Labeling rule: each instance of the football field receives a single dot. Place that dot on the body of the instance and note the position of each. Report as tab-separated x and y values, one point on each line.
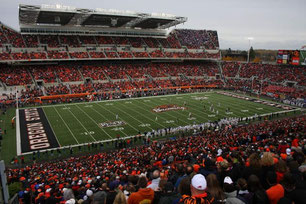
73	124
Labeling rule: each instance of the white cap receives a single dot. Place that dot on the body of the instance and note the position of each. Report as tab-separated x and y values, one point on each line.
89	193
199	182
71	201
219	152
228	180
288	151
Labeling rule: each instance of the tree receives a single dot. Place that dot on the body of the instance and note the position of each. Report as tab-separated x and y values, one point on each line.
252	54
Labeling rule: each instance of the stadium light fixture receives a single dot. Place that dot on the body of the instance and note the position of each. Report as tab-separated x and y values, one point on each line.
249	38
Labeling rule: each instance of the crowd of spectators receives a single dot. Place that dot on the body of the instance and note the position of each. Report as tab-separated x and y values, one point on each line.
141	54
71	41
111	54
81	88
272	86
256	163
104	40
151	42
37	55
275	73
50	40
5	56
193	39
97	54
230	69
3	39
57	90
31	92
57	55
94	72
43	73
66	74
14	37
156	54
173	41
20	56
176	54
125	54
87	40
31	40
78	55
15	77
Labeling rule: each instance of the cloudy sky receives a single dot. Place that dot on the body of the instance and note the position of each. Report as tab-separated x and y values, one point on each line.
274	24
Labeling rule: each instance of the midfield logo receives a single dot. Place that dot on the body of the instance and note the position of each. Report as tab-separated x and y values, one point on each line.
168	107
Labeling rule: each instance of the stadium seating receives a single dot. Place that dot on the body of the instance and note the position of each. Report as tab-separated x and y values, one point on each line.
66	74
94	72
50	40
230	69
57	55
230	154
5	56
151	42
78	55
14	38
87	40
71	41
31	40
57	90
43	73
15	77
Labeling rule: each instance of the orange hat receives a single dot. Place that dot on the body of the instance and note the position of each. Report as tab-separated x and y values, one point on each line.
283	156
22	179
219	159
196	168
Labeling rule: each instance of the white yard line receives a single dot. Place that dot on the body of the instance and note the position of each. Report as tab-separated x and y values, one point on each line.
66	126
94	122
167	114
106	119
81	124
115	115
51	127
143	116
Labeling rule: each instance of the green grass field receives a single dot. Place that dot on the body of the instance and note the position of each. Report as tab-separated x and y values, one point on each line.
78	123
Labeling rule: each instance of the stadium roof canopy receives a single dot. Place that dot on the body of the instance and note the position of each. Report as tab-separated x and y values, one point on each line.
58	17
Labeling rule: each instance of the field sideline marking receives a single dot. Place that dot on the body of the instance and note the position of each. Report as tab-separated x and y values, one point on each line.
18	139
51	127
94	122
66	126
115	100
82	125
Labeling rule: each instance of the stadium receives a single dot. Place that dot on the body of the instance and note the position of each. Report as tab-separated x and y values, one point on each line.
108	106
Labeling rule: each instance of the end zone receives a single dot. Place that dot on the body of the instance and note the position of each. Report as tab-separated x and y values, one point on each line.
33	131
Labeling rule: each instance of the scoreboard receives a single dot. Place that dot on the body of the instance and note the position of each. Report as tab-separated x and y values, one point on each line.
288	57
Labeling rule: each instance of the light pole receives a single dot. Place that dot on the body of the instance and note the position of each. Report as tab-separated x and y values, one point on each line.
249	38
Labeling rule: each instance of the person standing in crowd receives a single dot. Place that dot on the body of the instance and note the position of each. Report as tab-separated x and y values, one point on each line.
143	195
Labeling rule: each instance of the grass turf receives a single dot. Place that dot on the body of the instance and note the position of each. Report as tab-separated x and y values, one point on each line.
78	123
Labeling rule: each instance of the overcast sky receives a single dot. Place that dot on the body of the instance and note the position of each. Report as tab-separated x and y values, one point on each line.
274	24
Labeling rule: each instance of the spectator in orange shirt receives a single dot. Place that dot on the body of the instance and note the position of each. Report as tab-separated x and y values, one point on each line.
276	191
143	195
